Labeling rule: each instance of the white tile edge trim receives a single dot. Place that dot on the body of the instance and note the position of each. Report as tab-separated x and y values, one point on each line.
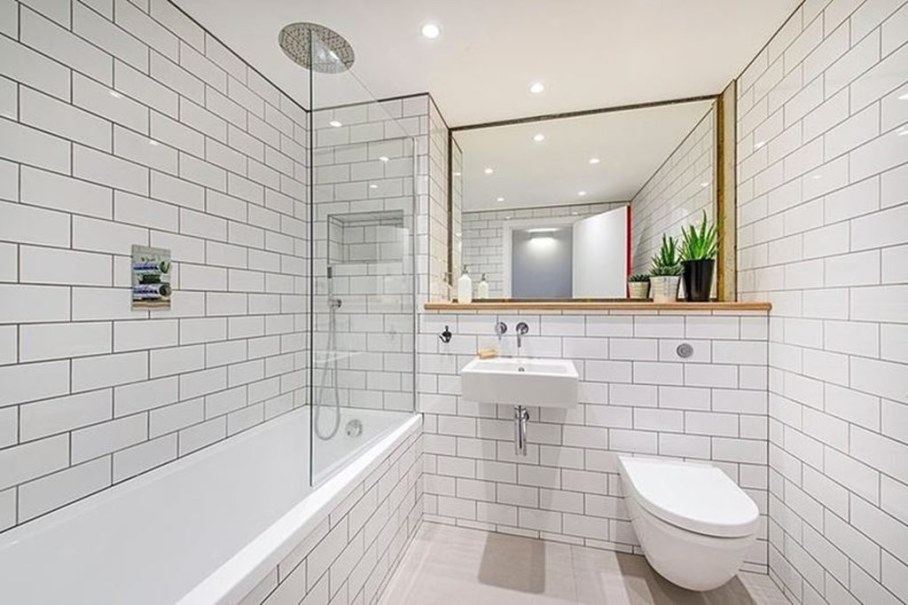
233	580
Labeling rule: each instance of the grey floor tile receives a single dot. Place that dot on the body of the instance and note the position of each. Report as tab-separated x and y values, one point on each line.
451	566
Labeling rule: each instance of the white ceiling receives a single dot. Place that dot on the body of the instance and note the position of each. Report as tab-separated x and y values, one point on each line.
630	146
589	53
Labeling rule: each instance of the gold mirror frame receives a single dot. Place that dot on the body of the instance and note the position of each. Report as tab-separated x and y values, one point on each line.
724	166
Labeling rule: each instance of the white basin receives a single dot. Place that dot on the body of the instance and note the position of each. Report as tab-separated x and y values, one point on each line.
548	383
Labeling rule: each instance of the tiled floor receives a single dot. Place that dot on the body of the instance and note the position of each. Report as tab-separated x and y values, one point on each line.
449	566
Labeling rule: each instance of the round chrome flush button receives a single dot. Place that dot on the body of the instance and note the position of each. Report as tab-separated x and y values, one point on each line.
684	350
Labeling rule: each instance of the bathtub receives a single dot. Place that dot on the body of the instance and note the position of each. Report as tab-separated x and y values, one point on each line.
329	456
204	529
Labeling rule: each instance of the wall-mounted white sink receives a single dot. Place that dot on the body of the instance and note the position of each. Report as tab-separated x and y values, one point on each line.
548	383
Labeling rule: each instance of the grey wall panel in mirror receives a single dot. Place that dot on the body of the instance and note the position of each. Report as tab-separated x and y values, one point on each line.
658	159
541	271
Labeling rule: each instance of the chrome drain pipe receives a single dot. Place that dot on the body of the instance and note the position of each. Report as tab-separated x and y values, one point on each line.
521	418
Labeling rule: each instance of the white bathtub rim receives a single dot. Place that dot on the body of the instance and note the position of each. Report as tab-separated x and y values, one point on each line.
240	574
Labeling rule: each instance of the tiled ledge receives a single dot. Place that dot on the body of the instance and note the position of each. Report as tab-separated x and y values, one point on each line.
571	306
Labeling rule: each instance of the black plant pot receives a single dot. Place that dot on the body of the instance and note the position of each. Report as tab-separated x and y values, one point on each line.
698	279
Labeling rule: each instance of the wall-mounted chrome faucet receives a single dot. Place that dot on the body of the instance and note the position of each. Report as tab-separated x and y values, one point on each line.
501	329
522	330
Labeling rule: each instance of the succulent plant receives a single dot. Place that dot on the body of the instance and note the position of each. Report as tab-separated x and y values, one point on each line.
667	262
639	277
699	243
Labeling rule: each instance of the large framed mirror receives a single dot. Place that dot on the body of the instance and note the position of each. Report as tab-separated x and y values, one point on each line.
566	207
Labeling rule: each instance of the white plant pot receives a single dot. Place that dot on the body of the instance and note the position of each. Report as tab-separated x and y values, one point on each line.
664	288
638	289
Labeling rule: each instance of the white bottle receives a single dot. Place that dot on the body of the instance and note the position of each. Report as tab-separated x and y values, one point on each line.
482	290
465	287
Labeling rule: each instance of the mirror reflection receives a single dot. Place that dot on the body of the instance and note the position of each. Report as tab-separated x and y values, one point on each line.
571	207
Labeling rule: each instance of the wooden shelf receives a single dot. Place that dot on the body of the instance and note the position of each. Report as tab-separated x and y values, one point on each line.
568	306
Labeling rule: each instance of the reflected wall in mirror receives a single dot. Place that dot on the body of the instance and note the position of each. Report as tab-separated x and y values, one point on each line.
570	206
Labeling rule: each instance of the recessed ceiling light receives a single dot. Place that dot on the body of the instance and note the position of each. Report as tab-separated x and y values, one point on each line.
704	184
500	199
335	124
153	142
384	158
759	144
430	31
115	94
581	193
903	131
817	177
537	88
594	160
542	230
373	186
574	213
539	137
507	218
904	97
456	174
488	171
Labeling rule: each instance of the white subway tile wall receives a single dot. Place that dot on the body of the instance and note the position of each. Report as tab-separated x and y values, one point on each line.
351	554
676	194
823	235
437	210
116	131
483	246
637	396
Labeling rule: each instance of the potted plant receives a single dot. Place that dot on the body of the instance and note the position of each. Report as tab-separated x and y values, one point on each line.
638	286
699	248
666	271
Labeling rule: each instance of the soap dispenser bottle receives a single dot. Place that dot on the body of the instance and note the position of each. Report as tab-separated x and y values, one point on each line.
482	290
465	287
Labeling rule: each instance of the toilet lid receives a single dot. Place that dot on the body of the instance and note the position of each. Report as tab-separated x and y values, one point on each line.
696	497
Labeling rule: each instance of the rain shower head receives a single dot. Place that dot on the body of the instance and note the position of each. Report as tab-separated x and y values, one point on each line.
316	47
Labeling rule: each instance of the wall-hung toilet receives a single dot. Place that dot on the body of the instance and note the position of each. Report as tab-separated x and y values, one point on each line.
694	524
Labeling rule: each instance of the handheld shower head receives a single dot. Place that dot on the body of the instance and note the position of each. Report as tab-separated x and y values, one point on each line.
334	303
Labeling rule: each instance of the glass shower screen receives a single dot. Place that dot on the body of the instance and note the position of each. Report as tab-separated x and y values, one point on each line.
362	266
